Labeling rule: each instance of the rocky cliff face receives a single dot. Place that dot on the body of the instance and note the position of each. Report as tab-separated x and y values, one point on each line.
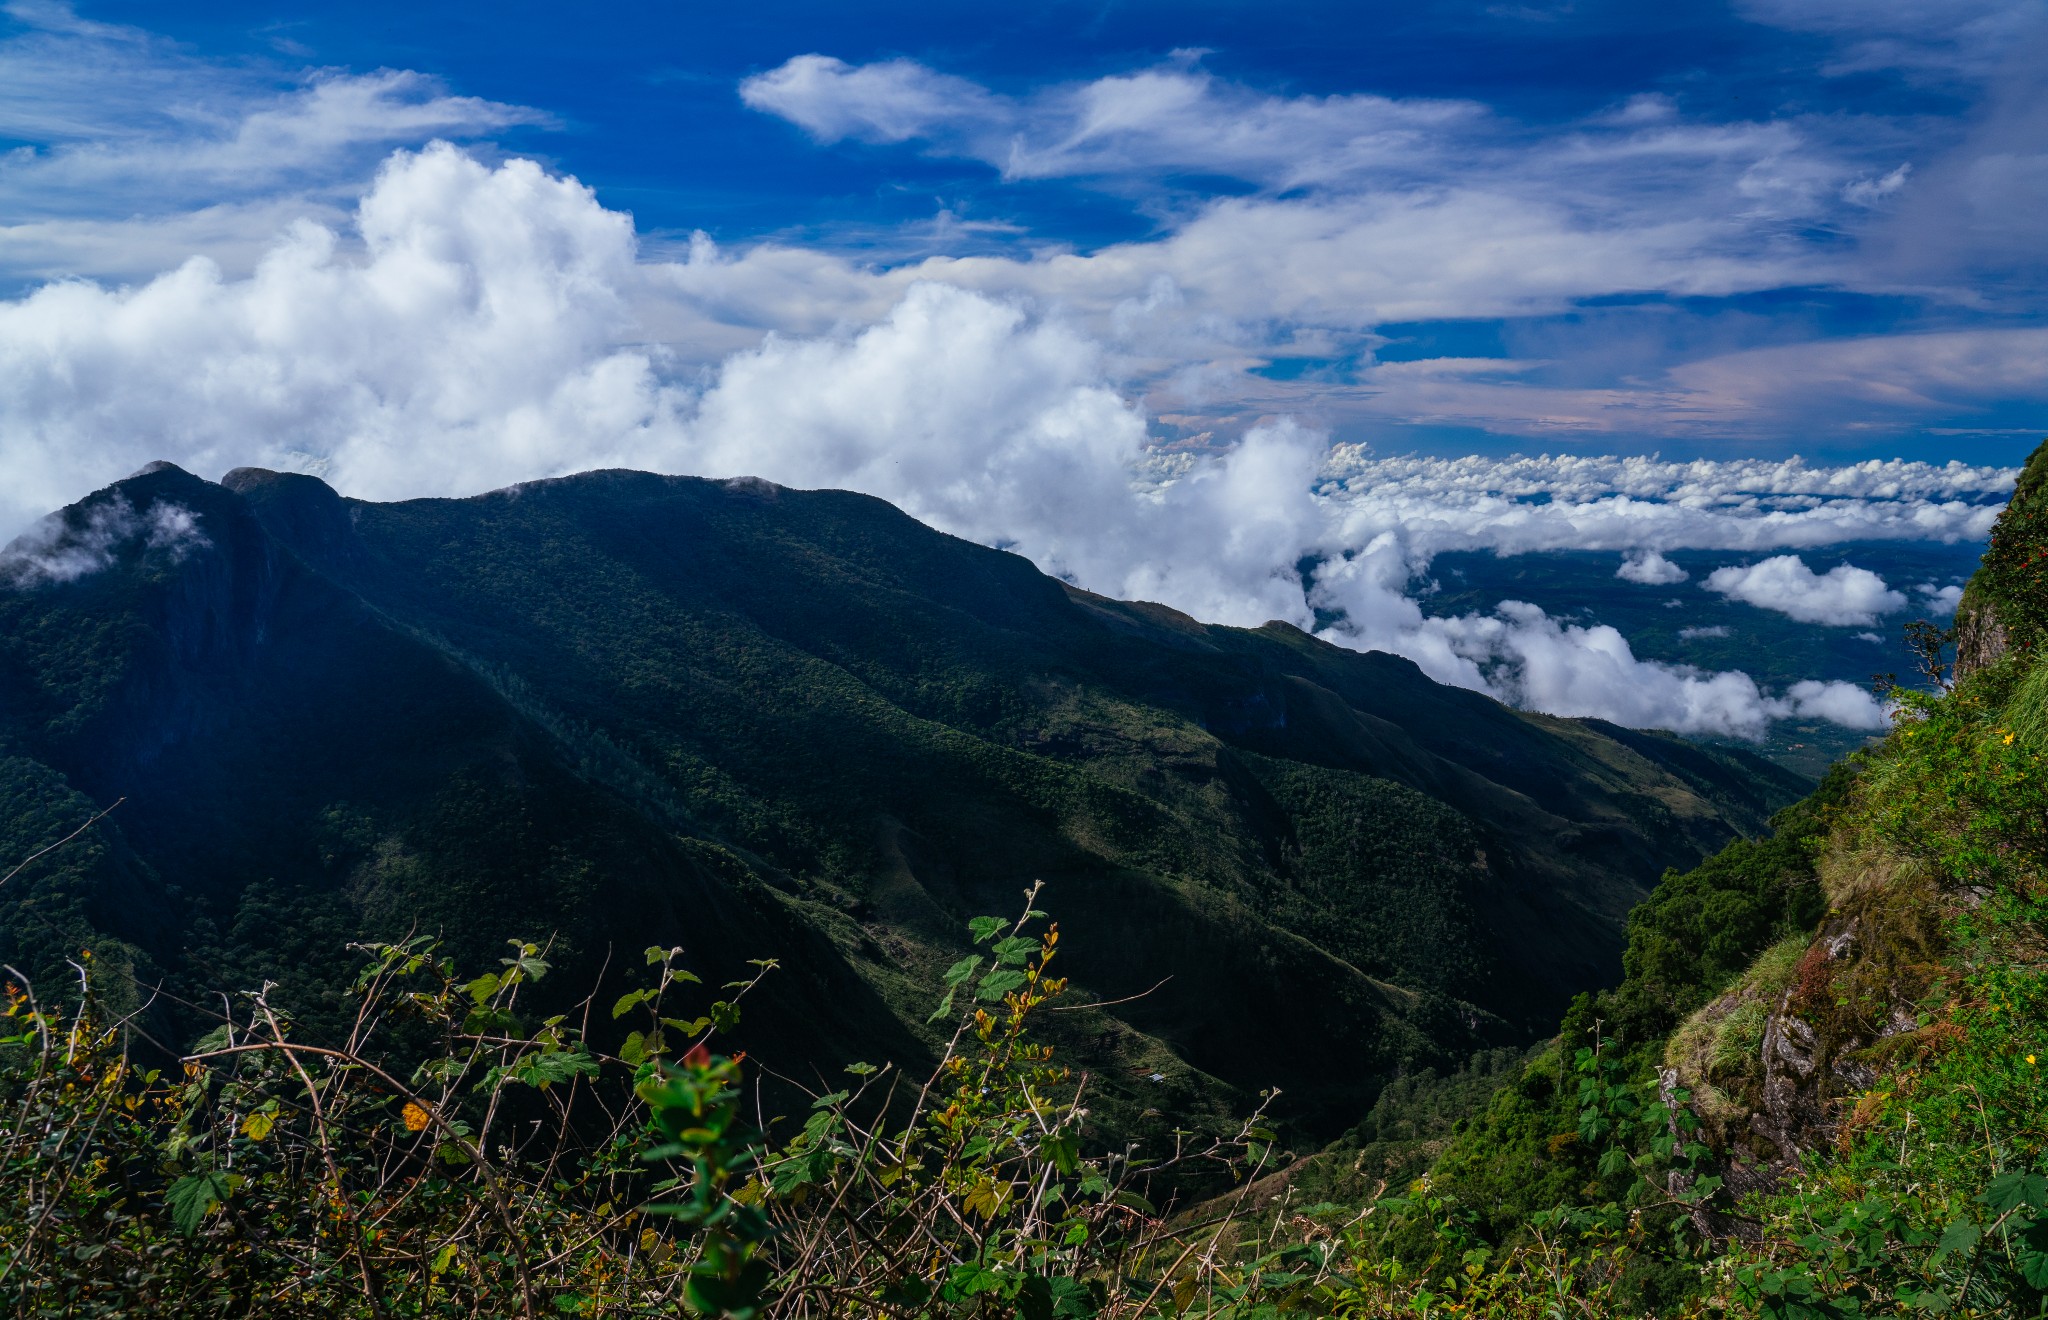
1980	639
1776	1063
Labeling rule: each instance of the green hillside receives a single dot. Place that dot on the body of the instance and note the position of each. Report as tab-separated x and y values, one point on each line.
632	710
621	709
1817	1092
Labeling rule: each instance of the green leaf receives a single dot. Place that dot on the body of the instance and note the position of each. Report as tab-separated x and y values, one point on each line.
725	1016
963	971
1014	951
944	1009
1959	1236
483	987
633	1049
190	1197
1135	1202
985	929
217	1039
998	983
548	1067
2011	1191
628	1002
655	953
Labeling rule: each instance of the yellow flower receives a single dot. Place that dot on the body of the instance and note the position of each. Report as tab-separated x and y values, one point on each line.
2008	740
2030	1060
415	1116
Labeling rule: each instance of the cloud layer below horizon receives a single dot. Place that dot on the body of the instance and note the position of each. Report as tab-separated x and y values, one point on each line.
479	325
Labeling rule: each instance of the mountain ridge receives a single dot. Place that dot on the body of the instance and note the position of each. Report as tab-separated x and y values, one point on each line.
802	725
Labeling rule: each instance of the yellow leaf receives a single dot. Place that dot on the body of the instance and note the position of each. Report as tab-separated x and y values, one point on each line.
986	1198
258	1124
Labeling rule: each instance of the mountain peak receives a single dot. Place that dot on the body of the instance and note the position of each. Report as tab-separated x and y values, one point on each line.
160	465
302	511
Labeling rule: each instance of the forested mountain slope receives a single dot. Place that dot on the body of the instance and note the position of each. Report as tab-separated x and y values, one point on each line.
620	709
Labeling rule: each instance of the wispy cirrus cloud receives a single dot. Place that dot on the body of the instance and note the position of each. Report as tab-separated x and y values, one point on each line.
1172	119
134	149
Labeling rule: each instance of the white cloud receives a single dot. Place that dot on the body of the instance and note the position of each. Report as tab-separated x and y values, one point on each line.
135	148
1522	655
1844	596
1172	118
1940	601
1363	209
1842	703
488	325
63	548
1943	37
1649	569
1715	630
1369	209
1866	383
1872	191
891	101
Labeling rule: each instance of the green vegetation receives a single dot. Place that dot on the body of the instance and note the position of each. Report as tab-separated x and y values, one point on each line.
1814	1094
753	722
452	1156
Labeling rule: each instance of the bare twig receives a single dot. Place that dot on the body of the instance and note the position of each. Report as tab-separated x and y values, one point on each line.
24	863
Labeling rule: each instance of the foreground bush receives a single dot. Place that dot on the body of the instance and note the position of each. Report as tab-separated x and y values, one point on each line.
448	1155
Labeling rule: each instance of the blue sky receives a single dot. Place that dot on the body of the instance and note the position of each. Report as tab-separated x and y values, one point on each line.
1172	298
1754	227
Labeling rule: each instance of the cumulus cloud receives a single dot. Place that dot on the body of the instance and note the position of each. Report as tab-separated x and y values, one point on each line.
1940	601
1715	630
488	325
1355	210
1845	704
1524	656
1844	596
1649	569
